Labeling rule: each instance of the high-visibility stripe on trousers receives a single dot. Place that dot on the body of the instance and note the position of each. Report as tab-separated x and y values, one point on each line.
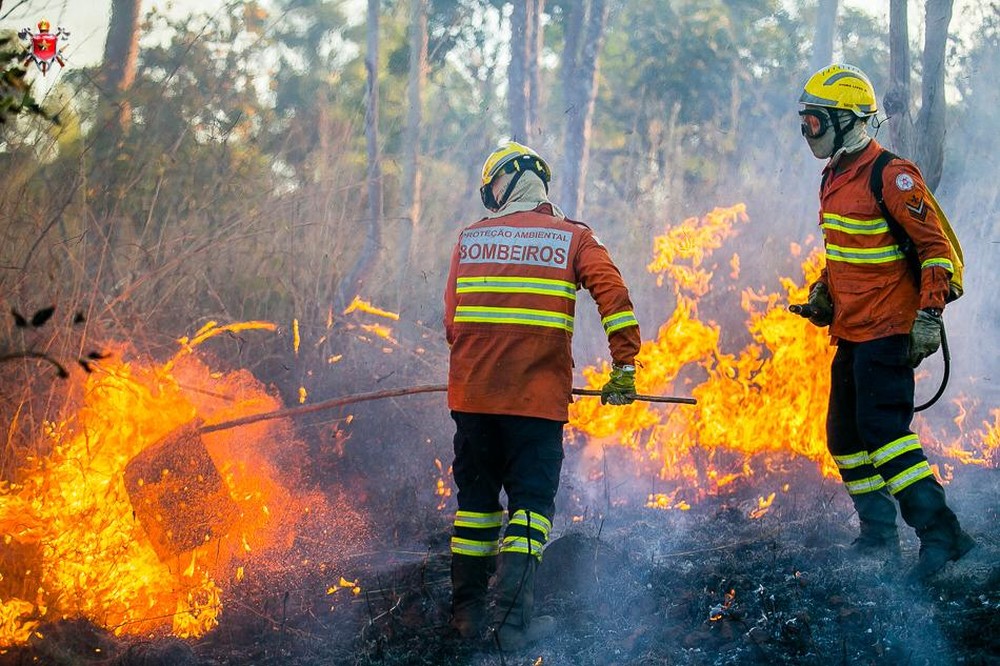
526	533
519	455
871	406
476	533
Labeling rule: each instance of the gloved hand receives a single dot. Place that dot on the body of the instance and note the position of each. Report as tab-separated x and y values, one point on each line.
620	388
925	336
819	308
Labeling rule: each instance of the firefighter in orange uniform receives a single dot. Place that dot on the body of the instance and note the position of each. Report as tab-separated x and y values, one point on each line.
884	316
509	308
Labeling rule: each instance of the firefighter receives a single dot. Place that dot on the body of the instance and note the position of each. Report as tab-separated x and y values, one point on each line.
509	308
884	316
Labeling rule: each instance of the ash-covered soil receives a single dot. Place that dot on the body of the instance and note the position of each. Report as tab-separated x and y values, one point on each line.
706	586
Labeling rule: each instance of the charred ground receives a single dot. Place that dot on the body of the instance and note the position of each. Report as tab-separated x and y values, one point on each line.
627	585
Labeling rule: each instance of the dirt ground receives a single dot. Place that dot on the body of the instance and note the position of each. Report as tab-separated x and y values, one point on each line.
633	585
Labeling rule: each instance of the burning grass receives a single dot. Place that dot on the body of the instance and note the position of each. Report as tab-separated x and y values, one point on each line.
690	535
85	551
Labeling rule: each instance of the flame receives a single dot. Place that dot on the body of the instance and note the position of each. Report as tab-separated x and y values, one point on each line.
69	514
360	305
721	610
758	407
442	487
763	504
379	330
344	584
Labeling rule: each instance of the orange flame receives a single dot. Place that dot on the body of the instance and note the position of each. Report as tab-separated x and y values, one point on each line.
70	514
442	487
757	407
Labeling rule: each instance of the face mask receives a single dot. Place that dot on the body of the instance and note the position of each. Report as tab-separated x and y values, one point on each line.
817	126
822	146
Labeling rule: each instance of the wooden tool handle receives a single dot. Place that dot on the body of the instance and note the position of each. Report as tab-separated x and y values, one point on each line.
394	393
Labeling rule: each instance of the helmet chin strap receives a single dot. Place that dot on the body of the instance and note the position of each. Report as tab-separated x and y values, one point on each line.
839	132
516	176
520	168
849	138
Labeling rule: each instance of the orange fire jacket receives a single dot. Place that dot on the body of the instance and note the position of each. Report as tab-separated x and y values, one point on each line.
874	291
509	308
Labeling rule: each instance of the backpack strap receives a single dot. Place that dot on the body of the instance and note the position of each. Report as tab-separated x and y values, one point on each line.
895	228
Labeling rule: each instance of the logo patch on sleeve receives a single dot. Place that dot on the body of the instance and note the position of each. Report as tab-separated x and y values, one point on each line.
904	182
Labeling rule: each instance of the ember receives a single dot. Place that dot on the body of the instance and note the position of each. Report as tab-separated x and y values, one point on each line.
723	609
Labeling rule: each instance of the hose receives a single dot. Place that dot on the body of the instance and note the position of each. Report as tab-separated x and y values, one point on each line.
947	372
806	310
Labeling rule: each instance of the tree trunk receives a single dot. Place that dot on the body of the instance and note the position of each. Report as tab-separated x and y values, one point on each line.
574	17
517	72
351	285
826	21
931	119
582	97
896	103
411	182
534	39
121	51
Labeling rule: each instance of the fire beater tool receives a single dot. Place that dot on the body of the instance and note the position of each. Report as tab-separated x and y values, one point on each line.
179	496
807	311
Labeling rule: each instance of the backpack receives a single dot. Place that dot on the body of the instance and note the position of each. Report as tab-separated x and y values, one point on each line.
955	288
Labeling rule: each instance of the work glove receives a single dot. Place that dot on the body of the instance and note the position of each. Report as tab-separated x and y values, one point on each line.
925	336
818	309
620	388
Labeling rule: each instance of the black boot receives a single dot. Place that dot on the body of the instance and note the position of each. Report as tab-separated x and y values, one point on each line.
942	539
879	537
470	577
513	626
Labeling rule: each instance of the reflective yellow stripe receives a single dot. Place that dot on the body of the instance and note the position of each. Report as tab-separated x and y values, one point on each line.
477	314
538	521
855	227
514	544
461	546
904	479
478	520
853	460
619	321
943	263
895	449
516	285
869	485
857	255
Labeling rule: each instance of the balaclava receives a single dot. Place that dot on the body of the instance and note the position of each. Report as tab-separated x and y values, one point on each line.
847	134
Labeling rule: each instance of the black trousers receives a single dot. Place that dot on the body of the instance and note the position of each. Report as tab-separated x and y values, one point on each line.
868	422
520	455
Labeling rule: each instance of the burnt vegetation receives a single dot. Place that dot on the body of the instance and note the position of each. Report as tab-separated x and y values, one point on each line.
638	586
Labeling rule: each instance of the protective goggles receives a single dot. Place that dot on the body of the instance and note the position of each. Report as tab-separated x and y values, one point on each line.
814	123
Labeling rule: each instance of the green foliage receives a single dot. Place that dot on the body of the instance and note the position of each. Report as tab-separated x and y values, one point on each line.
863	43
15	89
246	154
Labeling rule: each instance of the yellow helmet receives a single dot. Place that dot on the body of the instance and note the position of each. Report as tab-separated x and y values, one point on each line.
515	158
841	86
